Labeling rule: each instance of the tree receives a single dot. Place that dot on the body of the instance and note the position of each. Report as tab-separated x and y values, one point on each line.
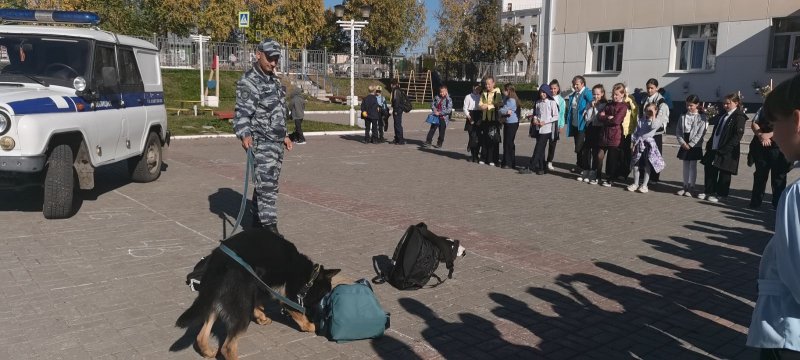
491	42
290	22
220	18
530	52
120	16
392	24
331	36
451	42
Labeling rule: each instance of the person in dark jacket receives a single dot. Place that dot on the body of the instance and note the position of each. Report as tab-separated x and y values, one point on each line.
769	162
297	108
370	112
576	124
397	113
721	159
611	117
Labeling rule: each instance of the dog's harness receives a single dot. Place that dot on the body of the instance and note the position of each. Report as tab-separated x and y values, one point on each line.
299	307
304	290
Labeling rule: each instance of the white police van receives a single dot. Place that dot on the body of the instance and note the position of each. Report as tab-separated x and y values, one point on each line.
73	99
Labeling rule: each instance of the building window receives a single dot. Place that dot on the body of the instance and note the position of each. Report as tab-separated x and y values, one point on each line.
607	50
509	7
785	42
696	47
533	29
521	30
519	66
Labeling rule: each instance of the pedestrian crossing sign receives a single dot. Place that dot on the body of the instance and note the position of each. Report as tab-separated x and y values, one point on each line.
244	19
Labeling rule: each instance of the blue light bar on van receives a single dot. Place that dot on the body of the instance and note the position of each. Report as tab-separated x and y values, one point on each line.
50	16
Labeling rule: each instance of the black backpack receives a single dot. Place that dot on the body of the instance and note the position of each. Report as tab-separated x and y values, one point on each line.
417	257
405	105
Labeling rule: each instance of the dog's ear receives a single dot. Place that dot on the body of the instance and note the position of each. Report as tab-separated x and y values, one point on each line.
329	274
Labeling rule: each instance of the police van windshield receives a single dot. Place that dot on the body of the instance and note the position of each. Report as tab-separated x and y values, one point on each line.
54	60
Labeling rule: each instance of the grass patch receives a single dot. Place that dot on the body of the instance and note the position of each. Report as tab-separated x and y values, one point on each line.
185	85
206	124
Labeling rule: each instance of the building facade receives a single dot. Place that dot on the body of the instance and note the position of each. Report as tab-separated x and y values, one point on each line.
709	48
524	15
512	5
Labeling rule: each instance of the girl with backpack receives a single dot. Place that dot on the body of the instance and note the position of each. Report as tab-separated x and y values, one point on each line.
544	123
689	133
442	107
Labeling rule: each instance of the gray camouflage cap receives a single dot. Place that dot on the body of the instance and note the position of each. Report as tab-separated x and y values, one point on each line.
270	47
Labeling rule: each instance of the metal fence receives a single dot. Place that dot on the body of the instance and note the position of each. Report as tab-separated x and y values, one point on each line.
310	69
314	70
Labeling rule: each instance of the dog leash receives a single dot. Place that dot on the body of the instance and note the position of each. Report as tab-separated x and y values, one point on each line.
249	269
233	255
247	175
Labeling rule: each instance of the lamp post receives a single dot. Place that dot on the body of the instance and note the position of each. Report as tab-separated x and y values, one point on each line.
200	38
352	25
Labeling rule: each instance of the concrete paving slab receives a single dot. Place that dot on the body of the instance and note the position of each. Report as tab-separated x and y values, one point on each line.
556	269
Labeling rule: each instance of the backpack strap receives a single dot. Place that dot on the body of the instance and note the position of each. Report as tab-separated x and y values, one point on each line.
380	278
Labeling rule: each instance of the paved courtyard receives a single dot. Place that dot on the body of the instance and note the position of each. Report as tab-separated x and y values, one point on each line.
555	269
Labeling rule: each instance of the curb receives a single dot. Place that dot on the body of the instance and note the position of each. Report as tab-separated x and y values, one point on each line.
347	112
311	133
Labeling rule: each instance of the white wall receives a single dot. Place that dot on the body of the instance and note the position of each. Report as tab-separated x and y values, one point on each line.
742	53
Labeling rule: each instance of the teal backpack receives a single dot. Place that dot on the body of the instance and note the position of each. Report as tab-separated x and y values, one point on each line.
352	312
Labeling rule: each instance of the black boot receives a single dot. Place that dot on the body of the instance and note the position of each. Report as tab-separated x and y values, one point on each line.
256	222
273	228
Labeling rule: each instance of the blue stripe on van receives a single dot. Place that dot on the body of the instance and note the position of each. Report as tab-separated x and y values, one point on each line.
46	105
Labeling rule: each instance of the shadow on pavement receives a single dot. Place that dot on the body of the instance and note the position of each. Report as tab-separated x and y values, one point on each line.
28	200
225	203
696	304
388	347
473	337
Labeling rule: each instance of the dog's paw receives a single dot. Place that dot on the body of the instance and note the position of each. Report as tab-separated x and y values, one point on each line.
263	320
310	327
260	316
205	352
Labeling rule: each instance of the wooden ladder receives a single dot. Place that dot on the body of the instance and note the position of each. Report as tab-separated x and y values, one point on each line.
418	87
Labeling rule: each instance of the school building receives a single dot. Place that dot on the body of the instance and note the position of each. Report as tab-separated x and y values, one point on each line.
709	48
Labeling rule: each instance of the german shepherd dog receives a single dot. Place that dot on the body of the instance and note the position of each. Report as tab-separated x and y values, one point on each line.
232	295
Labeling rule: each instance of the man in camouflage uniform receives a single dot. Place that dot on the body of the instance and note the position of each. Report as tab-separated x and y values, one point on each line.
260	123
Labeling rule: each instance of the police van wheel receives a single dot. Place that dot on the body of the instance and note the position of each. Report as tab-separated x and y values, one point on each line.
59	184
147	167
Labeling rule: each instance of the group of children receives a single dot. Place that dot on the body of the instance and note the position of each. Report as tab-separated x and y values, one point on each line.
618	136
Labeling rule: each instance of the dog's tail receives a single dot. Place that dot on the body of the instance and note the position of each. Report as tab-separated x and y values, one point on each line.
189	316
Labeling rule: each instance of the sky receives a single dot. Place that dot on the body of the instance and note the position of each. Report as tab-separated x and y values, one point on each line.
431	6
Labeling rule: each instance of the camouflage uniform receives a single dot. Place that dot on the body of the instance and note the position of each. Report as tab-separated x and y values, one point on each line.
261	113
